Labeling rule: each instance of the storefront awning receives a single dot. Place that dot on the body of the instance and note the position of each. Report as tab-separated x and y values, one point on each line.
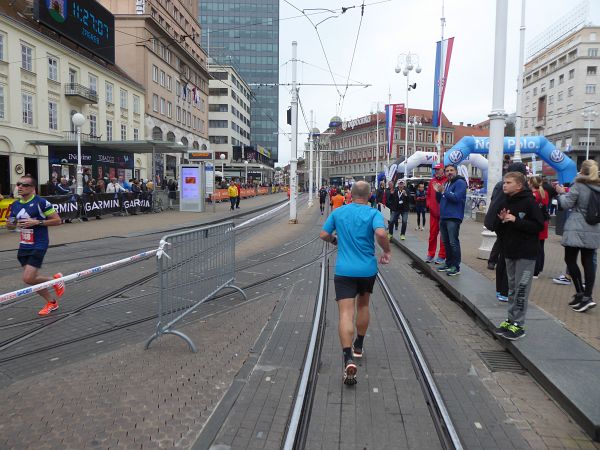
126	146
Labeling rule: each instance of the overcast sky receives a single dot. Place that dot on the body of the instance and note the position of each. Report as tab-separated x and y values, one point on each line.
389	29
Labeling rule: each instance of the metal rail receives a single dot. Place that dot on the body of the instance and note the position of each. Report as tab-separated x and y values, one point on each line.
442	420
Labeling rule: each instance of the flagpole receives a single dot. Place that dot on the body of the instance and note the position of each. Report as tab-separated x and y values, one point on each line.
388	136
440	88
377	148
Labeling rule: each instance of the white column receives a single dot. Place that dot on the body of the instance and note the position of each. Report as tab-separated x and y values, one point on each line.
517	156
293	160
310	160
497	117
406	124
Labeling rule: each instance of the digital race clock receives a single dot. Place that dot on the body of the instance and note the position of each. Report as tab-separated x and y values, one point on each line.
85	22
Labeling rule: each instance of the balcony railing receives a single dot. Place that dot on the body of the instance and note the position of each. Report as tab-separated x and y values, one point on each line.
84	93
72	136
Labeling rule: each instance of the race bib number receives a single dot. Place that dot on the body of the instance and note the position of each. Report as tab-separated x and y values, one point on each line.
27	236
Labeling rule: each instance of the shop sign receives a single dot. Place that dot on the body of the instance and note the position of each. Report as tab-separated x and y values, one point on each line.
199	155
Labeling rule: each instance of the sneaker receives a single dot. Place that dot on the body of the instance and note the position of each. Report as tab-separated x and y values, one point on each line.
50	306
439	260
453	272
535	277
417	228
350	373
357	352
443	268
586	303
514	332
429	259
576	299
402	237
59	288
390	236
501	298
502	328
561	279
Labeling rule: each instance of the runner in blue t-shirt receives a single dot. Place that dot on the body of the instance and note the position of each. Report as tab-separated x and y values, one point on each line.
31	215
356	226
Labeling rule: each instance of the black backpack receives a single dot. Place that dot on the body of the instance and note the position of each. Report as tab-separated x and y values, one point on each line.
592	214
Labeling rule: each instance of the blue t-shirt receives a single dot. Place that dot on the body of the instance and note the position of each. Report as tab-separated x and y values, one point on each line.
355	225
35	238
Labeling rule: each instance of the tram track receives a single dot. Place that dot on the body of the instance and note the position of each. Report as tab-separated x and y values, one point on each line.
299	421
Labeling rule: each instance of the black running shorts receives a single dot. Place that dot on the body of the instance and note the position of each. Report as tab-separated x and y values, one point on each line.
350	287
31	257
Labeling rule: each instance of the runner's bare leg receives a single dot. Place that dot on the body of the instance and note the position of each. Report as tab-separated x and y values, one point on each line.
346	322
31	277
362	315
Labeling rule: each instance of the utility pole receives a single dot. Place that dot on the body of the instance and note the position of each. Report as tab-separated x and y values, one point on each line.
294	152
497	117
377	147
310	159
517	156
440	89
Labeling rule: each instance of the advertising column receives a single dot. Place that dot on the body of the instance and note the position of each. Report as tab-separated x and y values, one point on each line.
191	189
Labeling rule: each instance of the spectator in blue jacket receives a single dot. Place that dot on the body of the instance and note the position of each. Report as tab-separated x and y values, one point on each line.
452	197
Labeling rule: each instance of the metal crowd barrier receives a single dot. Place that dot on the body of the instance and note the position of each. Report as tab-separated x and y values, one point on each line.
192	267
474	203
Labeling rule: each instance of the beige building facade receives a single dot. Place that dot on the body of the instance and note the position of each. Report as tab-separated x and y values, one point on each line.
44	80
158	45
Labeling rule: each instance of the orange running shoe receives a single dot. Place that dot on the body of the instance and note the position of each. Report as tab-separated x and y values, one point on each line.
59	288
50	306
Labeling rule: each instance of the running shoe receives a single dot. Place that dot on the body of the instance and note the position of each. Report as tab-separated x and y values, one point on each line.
586	303
402	237
502	328
59	288
514	332
50	306
439	260
350	373
429	259
390	236
561	279
443	268
501	298
453	271
576	300
357	352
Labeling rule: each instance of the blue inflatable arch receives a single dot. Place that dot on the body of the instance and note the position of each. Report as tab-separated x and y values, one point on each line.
565	167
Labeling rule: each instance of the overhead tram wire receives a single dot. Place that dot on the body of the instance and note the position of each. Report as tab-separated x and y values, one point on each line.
343	98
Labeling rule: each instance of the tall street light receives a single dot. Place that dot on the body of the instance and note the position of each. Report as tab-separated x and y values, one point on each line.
78	120
414	122
405	63
246	167
589	118
222	156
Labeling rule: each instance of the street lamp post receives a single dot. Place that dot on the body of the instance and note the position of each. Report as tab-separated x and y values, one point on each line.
246	167
414	122
589	118
222	156
405	63
78	120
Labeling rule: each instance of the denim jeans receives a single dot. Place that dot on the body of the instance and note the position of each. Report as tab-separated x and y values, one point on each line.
394	218
449	229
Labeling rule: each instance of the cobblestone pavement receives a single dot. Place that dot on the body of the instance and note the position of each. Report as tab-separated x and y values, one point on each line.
538	419
551	297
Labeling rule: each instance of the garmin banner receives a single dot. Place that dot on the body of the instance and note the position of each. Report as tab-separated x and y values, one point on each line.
91	205
67	206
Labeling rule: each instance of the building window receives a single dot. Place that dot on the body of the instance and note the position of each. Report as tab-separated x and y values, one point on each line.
169	83
136	104
592	52
551	99
561	79
155	74
93	83
72	76
178	114
109	93
590	88
123	99
591	70
123	132
52	68
169	110
162	105
136	134
27	108
93	125
560	96
571	74
570	92
189	119
1	47
551	83
218	123
162	78
109	135
52	115
155	103
2	102
178	88
592	36
26	57
535	91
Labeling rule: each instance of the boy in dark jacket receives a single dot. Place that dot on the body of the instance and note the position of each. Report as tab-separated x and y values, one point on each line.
517	225
396	199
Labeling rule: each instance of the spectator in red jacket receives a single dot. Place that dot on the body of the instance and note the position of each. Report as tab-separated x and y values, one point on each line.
434	217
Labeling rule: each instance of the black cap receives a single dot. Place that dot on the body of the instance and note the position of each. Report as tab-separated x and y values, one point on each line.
517	167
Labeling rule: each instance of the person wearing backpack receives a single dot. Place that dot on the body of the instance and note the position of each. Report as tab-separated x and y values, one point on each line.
581	232
542	198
